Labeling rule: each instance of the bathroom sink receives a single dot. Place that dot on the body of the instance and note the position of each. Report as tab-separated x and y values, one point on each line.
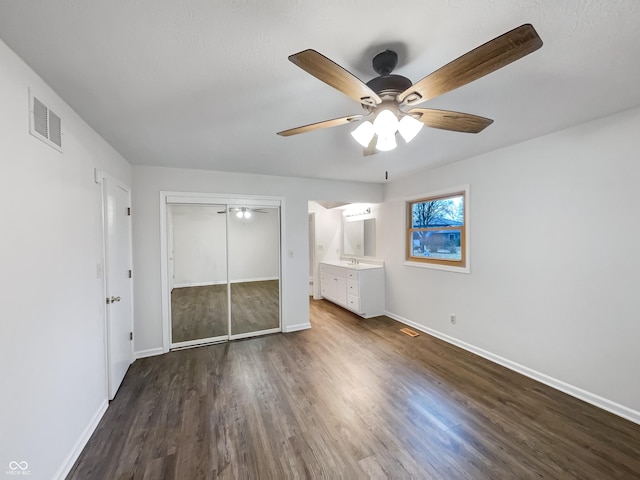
355	266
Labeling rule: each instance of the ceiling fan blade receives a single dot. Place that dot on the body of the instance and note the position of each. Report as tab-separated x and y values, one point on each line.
477	63
446	120
315	126
334	75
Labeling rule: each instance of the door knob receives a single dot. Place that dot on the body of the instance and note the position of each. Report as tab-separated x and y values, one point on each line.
115	299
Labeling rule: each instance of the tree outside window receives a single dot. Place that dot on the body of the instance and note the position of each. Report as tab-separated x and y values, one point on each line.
436	230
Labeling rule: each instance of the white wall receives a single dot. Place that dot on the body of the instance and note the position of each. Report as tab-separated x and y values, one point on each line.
328	230
254	246
199	245
149	181
553	288
52	347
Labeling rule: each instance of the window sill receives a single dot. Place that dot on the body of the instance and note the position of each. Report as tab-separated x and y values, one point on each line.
436	266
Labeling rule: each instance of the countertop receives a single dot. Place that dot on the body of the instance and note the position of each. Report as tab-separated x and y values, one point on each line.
348	264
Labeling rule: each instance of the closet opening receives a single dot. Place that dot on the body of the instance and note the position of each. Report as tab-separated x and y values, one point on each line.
221	258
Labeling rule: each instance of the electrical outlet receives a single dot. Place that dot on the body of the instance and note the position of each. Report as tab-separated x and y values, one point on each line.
452	318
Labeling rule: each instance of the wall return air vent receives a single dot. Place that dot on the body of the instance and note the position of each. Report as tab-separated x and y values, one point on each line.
44	124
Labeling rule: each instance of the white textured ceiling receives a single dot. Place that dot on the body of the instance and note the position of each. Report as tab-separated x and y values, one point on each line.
206	84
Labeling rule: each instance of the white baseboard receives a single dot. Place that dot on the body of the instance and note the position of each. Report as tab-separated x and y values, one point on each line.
198	284
258	279
297	327
151	352
67	465
223	282
584	395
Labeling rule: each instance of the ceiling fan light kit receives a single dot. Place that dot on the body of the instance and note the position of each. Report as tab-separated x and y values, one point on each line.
387	98
242	212
409	127
364	133
385	126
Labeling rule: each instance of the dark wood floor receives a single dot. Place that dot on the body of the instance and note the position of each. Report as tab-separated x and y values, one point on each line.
255	306
351	399
201	312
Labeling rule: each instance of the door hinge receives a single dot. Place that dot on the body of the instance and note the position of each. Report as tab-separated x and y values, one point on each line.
129	211
130	335
130	273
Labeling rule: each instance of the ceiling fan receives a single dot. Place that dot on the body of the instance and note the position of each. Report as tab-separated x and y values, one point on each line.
243	212
388	99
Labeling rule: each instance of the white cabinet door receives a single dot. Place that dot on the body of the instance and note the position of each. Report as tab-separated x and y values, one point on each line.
341	290
328	286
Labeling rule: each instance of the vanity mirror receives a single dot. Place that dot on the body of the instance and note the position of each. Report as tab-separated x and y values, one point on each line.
359	237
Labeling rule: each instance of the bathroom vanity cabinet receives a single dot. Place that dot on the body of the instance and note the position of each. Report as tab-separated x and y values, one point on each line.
359	288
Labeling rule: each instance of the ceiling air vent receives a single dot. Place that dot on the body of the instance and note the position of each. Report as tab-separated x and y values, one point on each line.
44	124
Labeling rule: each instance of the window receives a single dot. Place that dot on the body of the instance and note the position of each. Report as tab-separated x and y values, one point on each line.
436	230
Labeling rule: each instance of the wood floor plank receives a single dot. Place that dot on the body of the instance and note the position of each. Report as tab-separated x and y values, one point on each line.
350	398
202	312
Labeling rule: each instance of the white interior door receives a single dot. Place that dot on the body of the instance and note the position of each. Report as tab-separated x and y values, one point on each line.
118	282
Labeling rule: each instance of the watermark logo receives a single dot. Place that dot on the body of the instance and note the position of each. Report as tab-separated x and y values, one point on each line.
18	468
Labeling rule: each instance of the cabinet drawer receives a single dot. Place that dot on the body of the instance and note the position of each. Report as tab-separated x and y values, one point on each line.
352	275
331	271
352	287
353	303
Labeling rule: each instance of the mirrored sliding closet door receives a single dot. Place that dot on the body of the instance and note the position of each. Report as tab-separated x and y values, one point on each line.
198	274
254	270
223	268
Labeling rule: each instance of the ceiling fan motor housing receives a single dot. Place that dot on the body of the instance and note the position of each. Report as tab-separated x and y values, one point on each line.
388	87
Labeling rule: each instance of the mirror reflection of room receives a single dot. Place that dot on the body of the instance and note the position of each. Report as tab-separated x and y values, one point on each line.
254	266
198	261
359	237
220	266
